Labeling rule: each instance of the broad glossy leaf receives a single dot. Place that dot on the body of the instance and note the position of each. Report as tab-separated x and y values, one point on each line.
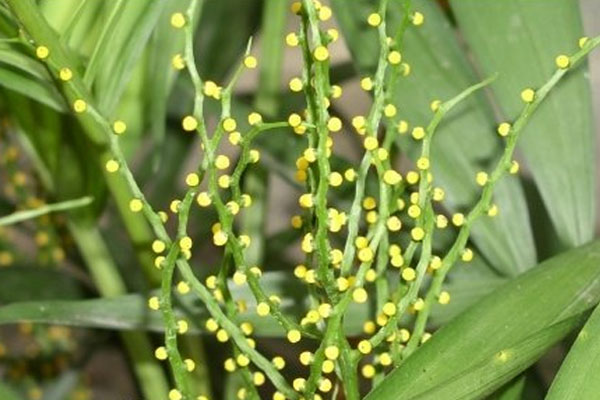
131	312
579	374
465	142
520	39
502	334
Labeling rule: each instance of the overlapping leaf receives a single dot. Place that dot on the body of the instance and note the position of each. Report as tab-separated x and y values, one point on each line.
465	143
502	334
520	39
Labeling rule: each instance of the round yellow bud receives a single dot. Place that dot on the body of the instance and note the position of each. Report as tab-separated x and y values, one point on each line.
263	309
177	62
366	84
189	123
374	19
409	274
136	205
359	295
220	238
458	219
528	95
504	129
158	246
444	298
175	394
250	62
395	57
222	162
334	124
418	133
112	166
391	177
294	120
418	18
161	353
183	287
254	118
423	163
192	179
364	346
178	20
335	179
42	52
332	352
292	39
153	303
371	143
296	85
294	336
79	106
389	309
65	74
563	61
203	199
481	178
321	53
229	124
417	233
185	243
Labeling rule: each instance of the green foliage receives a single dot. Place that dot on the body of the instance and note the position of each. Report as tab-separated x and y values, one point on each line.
379	271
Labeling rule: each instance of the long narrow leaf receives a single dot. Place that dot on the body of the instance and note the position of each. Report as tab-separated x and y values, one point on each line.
465	143
501	335
131	312
579	374
20	216
520	39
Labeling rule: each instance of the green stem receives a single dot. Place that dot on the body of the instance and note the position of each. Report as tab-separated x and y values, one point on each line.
25	215
105	274
484	201
33	22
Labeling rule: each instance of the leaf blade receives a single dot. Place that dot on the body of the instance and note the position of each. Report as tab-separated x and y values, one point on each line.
578	376
521	40
502	334
440	70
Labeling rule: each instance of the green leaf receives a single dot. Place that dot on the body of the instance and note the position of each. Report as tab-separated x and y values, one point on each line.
502	334
114	10
465	142
14	56
223	32
467	283
579	374
37	90
520	39
274	20
160	75
27	283
127	45
131	312
512	390
25	215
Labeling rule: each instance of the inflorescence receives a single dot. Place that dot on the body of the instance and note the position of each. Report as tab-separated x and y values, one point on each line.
387	236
